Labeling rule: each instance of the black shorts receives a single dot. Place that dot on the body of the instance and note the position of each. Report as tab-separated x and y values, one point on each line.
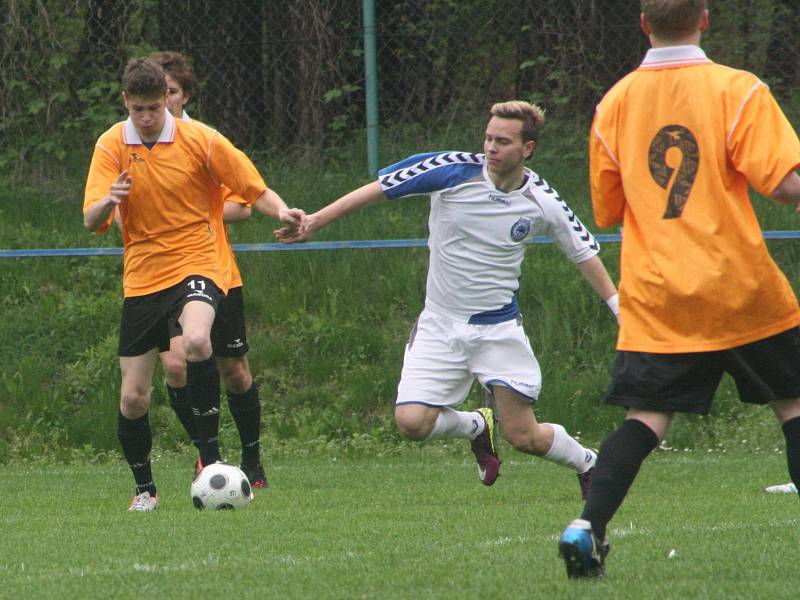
150	321
764	371
228	335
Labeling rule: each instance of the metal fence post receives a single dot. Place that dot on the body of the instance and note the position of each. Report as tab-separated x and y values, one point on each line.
371	81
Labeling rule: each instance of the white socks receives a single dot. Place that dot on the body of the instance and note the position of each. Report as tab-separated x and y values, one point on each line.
567	452
456	424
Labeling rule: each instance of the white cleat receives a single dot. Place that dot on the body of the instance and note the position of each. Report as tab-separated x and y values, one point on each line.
786	488
144	502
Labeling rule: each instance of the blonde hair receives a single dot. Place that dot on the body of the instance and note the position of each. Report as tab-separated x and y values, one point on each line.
532	117
673	19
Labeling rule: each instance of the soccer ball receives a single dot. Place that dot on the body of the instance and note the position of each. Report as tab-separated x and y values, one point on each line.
220	486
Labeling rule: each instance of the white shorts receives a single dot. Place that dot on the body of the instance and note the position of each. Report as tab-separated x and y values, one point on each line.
443	357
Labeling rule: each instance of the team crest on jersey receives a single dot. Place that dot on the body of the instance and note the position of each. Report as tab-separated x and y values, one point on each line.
521	229
504	200
136	158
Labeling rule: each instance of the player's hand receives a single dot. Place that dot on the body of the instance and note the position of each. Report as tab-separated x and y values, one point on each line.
120	189
291	232
292	217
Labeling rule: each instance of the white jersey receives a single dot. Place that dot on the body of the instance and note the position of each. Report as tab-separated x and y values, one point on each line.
478	233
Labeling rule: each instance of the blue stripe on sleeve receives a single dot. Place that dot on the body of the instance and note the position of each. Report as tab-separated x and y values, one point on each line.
429	172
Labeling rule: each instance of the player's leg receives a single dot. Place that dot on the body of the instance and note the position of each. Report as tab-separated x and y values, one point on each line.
229	340
195	308
436	377
788	415
768	371
549	441
245	406
133	427
653	387
143	333
583	544
423	423
173	361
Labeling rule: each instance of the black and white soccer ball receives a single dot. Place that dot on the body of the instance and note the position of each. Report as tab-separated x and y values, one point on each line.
219	487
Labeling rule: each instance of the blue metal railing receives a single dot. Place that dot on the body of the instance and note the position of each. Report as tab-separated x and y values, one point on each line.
345	245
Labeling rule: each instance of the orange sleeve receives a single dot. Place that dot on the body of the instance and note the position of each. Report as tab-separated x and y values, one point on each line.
232	169
762	143
229	196
103	170
605	179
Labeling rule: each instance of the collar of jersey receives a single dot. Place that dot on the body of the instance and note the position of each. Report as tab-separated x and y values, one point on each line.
674	56
131	137
526	179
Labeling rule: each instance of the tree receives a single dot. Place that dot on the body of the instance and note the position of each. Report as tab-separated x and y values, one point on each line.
225	41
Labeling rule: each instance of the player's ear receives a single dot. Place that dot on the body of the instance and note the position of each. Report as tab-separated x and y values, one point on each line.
645	25
530	146
704	21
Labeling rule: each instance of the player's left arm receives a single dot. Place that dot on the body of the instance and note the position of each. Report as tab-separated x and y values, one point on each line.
764	146
269	203
564	227
232	169
594	271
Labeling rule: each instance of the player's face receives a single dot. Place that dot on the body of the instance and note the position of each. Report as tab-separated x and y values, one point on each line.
503	146
176	98
148	115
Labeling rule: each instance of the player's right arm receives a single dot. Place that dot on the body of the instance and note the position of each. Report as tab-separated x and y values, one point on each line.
788	190
418	174
350	202
98	214
608	198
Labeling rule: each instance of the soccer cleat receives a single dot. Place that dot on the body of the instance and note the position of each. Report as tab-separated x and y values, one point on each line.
584	479
583	554
198	466
255	474
483	447
144	502
786	488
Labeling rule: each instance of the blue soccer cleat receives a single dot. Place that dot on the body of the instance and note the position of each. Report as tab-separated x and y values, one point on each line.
583	554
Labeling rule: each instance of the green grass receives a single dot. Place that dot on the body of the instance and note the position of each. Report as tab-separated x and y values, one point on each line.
326	328
404	522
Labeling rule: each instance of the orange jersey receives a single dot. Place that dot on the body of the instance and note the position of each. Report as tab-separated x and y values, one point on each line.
673	148
172	220
236	275
224	240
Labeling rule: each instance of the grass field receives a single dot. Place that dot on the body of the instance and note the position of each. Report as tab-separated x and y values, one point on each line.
411	523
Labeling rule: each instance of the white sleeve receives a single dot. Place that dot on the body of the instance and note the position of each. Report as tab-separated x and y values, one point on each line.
564	227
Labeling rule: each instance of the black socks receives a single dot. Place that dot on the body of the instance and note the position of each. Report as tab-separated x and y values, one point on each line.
246	413
136	441
791	431
203	388
618	462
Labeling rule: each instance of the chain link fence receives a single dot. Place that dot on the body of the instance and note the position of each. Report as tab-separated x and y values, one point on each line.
286	77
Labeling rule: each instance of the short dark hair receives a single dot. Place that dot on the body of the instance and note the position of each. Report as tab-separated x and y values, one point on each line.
532	117
176	66
673	19
143	77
